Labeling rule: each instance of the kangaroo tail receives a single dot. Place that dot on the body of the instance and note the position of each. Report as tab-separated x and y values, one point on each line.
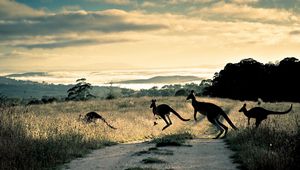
284	112
177	114
229	121
107	123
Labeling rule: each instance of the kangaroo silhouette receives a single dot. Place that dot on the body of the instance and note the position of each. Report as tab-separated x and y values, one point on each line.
93	116
164	110
212	112
259	113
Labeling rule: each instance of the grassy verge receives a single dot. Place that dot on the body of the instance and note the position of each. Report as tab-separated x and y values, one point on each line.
266	148
40	149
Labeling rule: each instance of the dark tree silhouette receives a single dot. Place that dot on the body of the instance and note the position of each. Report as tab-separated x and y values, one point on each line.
3	100
250	80
81	91
181	92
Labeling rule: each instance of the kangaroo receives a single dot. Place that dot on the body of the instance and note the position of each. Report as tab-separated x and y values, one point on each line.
92	116
163	111
259	113
212	112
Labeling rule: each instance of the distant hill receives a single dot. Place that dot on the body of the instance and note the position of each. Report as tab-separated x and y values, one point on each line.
29	89
28	74
162	79
9	81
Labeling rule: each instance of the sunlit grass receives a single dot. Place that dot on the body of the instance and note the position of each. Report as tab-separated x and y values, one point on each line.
43	136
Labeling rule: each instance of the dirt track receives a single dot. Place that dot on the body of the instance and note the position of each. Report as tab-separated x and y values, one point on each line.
205	154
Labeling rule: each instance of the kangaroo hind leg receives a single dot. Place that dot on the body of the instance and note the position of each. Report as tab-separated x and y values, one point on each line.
224	127
168	124
168	116
257	122
219	127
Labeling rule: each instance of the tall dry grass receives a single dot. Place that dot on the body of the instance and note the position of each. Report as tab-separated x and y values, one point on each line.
274	145
43	136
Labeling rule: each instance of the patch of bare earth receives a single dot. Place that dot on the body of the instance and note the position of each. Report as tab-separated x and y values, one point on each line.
196	154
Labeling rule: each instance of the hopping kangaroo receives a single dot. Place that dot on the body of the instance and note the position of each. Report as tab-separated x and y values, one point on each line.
163	111
93	116
259	113
212	112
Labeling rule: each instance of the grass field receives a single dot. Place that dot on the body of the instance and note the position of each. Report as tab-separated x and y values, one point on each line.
274	145
43	136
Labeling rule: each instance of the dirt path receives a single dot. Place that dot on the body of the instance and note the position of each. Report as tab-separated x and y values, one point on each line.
201	154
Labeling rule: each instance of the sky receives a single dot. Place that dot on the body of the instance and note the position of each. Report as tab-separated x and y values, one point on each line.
91	35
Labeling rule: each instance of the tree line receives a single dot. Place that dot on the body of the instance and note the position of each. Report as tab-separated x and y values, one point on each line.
250	80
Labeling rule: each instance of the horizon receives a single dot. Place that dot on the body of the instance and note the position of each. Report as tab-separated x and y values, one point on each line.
105	77
118	77
95	35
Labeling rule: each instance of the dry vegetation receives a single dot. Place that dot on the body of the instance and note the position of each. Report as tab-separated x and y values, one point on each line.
274	145
43	136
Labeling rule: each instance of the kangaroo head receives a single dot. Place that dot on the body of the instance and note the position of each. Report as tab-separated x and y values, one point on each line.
81	117
152	103
243	108
191	95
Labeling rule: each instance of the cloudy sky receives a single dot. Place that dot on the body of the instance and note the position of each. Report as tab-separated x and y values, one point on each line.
57	35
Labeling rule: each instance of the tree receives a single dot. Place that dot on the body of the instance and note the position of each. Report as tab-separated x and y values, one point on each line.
81	91
111	95
250	80
181	92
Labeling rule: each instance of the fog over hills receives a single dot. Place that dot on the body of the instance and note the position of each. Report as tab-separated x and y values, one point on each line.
163	79
120	76
56	83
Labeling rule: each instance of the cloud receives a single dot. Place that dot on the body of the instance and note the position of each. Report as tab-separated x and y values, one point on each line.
71	43
188	1
244	1
71	8
21	56
39	28
264	11
293	5
295	32
243	12
240	23
9	9
117	2
147	4
75	21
